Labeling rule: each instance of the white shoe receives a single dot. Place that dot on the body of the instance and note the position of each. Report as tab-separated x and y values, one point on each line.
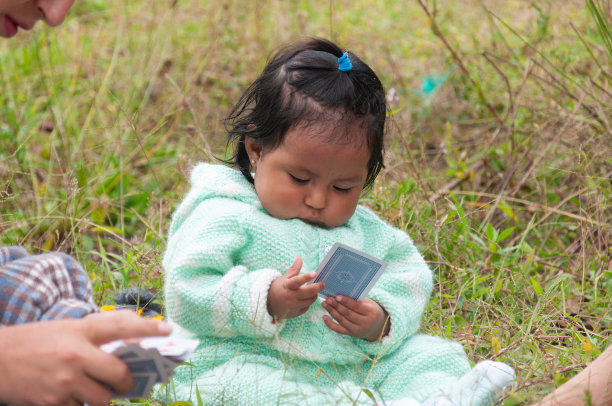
481	385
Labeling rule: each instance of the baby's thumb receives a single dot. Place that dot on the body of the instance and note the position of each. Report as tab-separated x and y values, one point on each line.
294	270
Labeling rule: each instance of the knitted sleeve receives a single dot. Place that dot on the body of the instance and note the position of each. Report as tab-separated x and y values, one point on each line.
208	292
403	291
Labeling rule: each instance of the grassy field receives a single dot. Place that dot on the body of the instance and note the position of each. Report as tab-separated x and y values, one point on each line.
498	158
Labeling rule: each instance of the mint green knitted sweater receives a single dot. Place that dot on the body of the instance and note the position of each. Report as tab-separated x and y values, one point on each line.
223	252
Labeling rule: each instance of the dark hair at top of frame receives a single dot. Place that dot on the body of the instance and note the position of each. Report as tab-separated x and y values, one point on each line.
300	86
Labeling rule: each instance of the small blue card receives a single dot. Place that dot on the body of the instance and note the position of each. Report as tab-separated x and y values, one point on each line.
348	272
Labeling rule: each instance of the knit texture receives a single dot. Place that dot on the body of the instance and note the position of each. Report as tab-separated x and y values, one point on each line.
223	252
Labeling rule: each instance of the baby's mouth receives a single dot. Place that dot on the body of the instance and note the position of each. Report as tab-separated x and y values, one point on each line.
315	223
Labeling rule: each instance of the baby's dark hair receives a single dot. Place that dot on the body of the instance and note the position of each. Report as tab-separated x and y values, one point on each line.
300	86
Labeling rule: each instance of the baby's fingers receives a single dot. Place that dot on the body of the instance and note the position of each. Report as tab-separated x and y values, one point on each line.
358	306
294	269
296	282
332	325
308	292
346	307
343	315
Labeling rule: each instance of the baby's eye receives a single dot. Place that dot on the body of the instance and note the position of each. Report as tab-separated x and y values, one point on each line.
342	189
298	180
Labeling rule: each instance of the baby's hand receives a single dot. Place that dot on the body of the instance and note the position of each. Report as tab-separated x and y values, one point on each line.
288	297
358	318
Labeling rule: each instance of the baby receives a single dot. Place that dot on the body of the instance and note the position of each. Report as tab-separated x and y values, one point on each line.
307	140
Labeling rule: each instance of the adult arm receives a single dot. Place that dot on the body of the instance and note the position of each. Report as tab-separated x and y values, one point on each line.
596	379
60	362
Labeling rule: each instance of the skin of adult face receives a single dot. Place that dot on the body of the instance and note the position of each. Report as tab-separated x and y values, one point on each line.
23	14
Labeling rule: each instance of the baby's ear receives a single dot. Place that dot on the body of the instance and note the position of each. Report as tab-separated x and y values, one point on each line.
253	148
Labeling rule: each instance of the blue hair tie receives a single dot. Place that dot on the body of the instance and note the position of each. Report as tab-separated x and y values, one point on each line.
344	63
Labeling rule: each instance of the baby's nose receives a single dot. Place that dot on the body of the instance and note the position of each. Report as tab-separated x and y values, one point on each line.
316	198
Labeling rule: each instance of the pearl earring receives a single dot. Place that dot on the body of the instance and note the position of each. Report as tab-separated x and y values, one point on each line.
253	162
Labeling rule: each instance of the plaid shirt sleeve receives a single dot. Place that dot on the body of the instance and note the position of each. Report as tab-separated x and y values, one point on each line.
50	286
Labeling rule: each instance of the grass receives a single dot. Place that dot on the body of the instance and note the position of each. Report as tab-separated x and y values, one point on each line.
498	159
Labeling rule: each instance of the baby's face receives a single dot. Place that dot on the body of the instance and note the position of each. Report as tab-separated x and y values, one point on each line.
16	14
307	177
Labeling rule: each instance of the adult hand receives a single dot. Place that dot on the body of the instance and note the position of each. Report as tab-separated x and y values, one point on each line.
288	297
60	362
358	318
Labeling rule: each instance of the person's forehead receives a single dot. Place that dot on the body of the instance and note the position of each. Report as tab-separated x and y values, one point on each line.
315	154
342	132
298	141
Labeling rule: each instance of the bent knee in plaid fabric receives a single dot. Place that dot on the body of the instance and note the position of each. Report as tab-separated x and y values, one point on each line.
50	286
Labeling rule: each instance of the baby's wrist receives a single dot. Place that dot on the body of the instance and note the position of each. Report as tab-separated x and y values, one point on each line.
275	308
384	323
269	304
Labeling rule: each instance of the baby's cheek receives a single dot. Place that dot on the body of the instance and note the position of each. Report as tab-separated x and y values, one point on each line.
289	198
281	204
347	208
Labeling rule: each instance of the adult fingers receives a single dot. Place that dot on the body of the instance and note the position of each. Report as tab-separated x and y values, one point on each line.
111	326
92	393
109	369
